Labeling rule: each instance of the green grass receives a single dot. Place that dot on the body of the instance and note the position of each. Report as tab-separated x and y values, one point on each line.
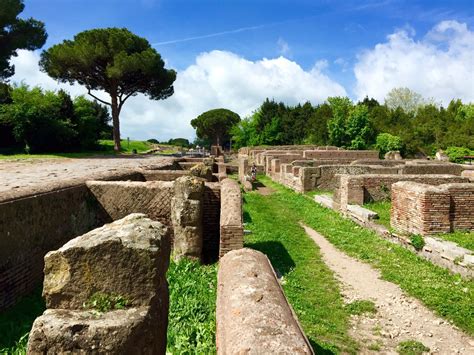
192	314
382	208
463	239
359	307
16	322
412	347
313	193
105	147
447	294
308	283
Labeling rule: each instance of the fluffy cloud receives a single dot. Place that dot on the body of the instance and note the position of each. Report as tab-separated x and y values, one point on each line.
439	66
216	79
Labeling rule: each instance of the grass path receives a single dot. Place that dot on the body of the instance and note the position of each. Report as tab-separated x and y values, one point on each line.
450	296
308	283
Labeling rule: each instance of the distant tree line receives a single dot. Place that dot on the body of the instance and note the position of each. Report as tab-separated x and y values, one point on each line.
37	120
405	122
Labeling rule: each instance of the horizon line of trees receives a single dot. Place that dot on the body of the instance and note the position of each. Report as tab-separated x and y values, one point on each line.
404	122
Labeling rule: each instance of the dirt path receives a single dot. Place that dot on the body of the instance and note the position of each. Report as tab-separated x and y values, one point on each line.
399	317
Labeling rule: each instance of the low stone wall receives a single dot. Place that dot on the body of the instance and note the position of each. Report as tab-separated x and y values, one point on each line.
412	168
428	210
340	154
358	189
253	315
32	225
102	261
383	162
231	224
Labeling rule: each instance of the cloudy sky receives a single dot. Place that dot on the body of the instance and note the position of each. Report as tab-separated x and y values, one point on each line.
235	53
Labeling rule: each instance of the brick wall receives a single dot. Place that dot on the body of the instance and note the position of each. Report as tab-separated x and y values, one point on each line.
377	187
30	226
163	175
231	224
424	209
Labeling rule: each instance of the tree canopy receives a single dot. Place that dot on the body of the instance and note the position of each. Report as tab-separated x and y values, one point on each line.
16	33
113	60
215	124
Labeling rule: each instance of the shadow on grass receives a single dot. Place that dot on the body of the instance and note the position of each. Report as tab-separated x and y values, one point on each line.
247	217
318	349
17	321
277	253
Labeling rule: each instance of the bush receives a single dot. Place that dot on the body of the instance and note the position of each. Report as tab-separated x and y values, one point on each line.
386	142
417	241
457	154
153	140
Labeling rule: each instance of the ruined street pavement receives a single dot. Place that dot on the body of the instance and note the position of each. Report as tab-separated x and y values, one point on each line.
30	174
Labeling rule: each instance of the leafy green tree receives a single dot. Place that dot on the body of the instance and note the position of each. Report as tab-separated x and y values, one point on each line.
215	125
387	142
181	142
16	33
358	128
340	108
113	60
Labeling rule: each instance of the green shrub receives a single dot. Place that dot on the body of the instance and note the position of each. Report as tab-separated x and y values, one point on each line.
417	241
457	154
386	142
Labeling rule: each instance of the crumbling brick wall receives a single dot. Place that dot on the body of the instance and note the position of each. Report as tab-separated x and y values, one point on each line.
340	154
425	209
358	189
231	224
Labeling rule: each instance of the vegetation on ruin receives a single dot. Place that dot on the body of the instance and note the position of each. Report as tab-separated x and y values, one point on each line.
192	313
449	295
309	284
412	347
16	322
417	241
103	302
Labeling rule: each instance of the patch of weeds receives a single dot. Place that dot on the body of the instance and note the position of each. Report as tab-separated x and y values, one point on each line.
359	307
382	208
417	241
412	347
103	302
377	330
377	346
192	312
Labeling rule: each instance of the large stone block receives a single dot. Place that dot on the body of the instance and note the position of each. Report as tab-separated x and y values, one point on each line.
186	217
202	170
253	315
128	257
130	331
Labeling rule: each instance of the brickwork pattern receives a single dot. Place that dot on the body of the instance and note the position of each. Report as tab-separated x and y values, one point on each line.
428	210
231	224
211	226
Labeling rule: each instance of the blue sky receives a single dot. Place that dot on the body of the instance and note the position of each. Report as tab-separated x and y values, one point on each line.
347	45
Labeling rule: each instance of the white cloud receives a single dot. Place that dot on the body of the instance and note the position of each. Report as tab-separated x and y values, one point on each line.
440	65
216	79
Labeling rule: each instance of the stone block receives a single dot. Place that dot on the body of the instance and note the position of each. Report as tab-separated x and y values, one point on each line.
253	315
130	331
104	259
186	217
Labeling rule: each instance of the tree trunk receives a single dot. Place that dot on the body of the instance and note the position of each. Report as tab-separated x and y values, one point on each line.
115	123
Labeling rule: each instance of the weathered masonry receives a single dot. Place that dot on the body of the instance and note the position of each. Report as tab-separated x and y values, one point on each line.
34	223
429	210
